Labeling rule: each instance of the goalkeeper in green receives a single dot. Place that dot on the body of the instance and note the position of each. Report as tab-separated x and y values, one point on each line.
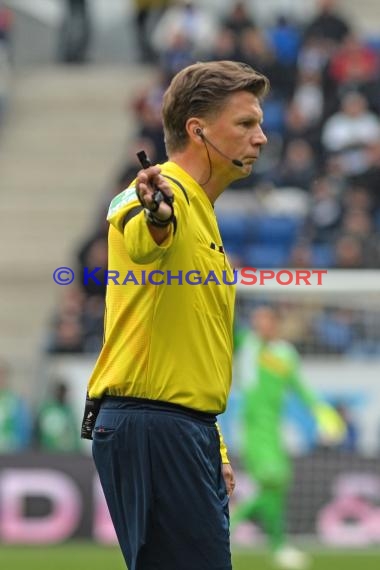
268	369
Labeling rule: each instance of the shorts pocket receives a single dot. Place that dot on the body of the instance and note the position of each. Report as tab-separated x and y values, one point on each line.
103	433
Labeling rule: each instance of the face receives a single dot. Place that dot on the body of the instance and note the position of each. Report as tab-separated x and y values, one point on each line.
264	323
237	132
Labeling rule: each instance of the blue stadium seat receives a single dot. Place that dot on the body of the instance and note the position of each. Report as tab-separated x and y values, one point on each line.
233	228
233	248
282	230
274	115
266	256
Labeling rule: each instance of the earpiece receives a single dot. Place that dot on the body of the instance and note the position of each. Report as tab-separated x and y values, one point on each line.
236	162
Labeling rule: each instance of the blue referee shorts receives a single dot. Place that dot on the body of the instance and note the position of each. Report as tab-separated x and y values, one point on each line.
161	473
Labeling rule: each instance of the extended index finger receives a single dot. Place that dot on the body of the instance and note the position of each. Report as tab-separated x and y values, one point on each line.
148	173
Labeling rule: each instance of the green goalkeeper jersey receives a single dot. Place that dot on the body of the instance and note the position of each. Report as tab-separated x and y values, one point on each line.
268	371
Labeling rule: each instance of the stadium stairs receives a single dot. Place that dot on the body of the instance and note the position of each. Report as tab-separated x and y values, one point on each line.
66	133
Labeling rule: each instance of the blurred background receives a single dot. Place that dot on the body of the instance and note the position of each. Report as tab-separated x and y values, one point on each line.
81	84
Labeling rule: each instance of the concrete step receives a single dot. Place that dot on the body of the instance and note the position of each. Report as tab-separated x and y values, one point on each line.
66	135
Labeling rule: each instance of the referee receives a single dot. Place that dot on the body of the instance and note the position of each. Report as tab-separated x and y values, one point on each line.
164	372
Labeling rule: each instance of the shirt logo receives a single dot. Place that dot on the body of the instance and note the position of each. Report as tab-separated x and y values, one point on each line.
121	200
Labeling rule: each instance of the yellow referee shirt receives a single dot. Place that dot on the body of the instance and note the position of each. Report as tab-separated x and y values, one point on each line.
169	307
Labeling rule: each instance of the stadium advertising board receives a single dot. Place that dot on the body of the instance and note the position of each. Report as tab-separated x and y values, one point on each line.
47	499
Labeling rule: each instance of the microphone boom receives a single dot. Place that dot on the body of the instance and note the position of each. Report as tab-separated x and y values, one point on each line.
235	161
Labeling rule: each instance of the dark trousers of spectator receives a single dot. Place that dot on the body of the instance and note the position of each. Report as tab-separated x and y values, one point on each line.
75	33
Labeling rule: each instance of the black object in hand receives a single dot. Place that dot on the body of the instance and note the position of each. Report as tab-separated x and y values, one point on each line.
158	195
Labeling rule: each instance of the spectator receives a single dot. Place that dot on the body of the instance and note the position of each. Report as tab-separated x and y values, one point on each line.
313	56
298	167
14	416
325	212
358	198
93	261
225	46
193	23
75	32
334	173
66	327
353	62
67	336
256	50
328	24
93	324
177	54
146	14
285	38
147	107
301	255
56	427
6	24
299	125
294	324
369	178
358	223
71	302
334	330
78	325
308	95
351	128
349	252
238	19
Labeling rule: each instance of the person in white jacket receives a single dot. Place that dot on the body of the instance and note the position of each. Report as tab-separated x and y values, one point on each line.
185	18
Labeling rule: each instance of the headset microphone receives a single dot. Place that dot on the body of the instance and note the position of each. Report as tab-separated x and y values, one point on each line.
234	161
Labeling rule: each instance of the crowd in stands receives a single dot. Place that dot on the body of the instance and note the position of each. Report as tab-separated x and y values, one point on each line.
49	427
322	120
317	327
312	201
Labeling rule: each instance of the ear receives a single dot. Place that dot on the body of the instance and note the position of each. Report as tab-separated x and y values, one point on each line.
194	129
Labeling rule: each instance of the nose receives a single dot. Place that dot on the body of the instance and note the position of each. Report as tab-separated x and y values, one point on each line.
259	137
262	136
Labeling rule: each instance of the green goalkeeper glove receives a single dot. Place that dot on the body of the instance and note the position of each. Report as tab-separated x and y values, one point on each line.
331	426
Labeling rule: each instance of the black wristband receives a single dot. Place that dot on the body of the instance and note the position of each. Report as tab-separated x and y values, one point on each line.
158	197
154	221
